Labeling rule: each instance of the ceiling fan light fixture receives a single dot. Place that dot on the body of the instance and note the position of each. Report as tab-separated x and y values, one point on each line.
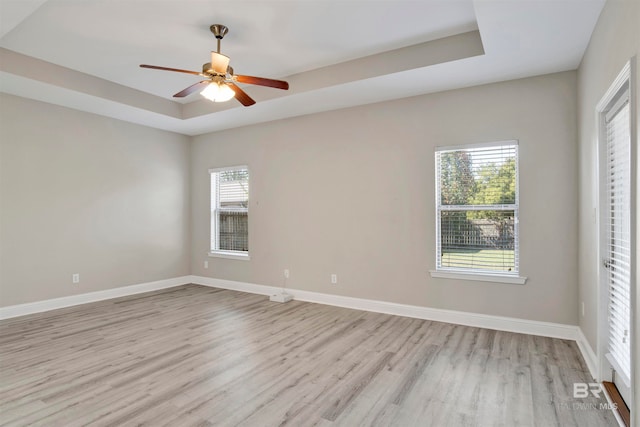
218	92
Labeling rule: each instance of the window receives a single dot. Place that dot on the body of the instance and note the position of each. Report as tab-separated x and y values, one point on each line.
230	212
477	209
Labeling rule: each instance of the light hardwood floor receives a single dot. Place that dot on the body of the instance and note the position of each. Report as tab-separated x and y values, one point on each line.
194	355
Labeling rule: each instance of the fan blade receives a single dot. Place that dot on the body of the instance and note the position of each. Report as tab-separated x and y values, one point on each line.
219	63
191	89
155	67
241	95
278	84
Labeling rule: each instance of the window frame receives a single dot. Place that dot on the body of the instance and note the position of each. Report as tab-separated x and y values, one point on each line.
458	273
214	215
626	77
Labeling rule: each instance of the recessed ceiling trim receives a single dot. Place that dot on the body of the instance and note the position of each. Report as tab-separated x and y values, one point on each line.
440	51
51	76
388	40
45	72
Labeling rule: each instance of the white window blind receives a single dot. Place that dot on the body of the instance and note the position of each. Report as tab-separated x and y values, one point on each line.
477	208
230	210
618	226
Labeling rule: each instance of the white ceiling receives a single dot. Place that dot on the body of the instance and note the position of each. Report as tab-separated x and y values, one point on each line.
84	54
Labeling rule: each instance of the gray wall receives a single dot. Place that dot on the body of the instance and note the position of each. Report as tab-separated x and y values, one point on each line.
80	193
615	40
351	192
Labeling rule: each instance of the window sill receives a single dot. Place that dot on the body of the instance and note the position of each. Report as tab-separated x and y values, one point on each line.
230	255
482	277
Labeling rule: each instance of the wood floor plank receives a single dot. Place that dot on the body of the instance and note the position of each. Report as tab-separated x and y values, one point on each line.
199	356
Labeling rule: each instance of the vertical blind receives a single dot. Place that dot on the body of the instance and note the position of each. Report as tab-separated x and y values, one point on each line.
230	210
477	208
618	226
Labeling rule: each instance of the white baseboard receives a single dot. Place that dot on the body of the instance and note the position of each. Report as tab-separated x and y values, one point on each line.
53	304
588	354
509	324
236	286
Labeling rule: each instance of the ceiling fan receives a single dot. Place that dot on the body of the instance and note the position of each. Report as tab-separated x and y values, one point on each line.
220	84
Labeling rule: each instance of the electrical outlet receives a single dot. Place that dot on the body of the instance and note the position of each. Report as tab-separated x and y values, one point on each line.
75	278
582	309
206	264
334	279
286	273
